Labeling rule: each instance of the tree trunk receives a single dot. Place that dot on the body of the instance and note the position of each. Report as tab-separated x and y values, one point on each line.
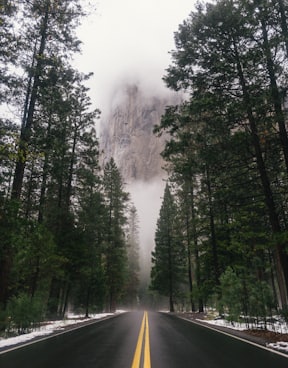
43	189
66	299
189	255
193	229
28	121
276	96
8	215
54	297
171	291
87	302
171	304
5	266
212	229
35	278
28	196
44	172
284	26
71	168
190	278
112	302
196	251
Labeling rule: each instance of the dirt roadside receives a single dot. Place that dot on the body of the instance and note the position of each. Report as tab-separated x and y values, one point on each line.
261	337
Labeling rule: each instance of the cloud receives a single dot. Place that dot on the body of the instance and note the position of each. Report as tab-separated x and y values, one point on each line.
129	41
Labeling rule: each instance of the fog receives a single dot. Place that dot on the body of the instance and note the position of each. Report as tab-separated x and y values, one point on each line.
128	42
147	198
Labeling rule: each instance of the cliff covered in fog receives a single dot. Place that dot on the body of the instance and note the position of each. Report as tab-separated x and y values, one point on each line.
126	133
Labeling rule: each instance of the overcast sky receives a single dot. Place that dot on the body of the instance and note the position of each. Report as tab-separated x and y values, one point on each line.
129	40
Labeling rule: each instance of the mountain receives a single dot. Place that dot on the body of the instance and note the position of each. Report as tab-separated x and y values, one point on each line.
126	134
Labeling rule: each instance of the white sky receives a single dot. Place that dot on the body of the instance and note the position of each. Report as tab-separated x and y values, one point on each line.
129	40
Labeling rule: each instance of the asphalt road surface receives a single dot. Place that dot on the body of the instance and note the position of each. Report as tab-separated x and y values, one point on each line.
141	339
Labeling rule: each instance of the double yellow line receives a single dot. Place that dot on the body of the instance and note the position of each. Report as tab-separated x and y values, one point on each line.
137	355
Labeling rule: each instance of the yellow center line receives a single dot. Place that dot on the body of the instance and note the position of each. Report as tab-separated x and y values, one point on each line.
138	350
147	362
137	354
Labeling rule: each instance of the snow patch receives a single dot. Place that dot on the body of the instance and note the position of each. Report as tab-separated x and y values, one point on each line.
279	327
52	326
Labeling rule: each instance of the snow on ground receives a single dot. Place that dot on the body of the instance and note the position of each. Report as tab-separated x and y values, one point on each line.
49	327
224	323
280	346
278	326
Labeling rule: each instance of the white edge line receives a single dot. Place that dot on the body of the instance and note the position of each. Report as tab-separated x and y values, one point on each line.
54	334
236	337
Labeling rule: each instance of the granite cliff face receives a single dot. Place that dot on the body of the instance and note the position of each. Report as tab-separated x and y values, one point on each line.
126	134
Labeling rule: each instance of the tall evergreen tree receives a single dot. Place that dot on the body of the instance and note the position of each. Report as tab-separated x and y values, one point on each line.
92	218
115	251
56	21
168	260
132	241
73	153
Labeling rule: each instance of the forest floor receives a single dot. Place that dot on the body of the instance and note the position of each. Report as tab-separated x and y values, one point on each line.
265	337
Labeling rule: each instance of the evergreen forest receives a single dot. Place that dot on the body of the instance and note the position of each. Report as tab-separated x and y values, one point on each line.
222	233
68	230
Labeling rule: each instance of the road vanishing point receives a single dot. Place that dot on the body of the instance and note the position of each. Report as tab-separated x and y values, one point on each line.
142	339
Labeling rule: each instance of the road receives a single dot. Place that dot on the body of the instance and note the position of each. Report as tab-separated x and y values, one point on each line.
148	340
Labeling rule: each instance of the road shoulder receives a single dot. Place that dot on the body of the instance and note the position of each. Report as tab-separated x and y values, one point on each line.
258	337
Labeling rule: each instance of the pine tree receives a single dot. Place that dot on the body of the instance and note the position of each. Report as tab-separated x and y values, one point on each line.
92	218
132	241
56	21
168	257
115	250
73	158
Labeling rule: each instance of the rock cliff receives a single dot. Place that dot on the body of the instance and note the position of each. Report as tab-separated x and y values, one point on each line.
126	134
